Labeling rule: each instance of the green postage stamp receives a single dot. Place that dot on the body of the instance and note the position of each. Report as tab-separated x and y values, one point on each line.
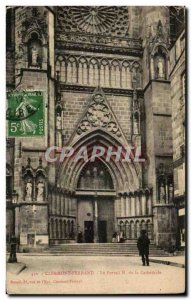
25	113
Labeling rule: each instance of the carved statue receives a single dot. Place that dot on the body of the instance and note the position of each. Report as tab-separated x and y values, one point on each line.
28	190
58	121
34	55
40	191
171	192
160	68
162	193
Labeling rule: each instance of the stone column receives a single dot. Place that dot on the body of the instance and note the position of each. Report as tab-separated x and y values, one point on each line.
96	238
132	205
128	204
66	205
137	200
149	205
143	204
123	206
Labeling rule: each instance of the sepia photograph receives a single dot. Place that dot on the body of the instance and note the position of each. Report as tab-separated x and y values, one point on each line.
96	150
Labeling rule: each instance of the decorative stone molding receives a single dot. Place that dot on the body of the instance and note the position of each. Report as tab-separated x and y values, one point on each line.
99	115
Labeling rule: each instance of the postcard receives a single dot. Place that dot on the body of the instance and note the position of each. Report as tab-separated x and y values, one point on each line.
95	143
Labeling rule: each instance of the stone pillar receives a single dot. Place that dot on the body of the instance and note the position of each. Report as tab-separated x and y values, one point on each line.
128	206
69	205
66	205
132	205
149	205
137	202
123	211
143	204
96	238
132	230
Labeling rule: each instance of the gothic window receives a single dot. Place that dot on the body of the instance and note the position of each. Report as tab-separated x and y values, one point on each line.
71	70
121	227
137	225
34	51
72	230
115	74
65	229
95	176
125	75
143	225
83	71
136	75
127	230
132	230
94	72
61	68
104	73
149	229
98	20
56	229
51	228
60	229
68	229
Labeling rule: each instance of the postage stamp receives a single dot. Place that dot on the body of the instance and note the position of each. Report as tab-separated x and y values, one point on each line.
25	113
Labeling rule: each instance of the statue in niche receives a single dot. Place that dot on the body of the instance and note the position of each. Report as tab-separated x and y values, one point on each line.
34	55
171	192
28	190
162	193
160	68
40	190
58	121
34	51
59	127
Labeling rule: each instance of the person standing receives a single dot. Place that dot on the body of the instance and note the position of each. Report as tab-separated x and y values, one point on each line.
143	247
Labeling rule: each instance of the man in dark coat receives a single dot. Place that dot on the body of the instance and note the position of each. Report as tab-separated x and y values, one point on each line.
143	247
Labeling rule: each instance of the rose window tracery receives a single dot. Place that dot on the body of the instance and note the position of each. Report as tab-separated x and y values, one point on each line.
106	20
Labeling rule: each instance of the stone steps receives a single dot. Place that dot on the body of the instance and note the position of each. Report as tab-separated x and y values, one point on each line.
106	249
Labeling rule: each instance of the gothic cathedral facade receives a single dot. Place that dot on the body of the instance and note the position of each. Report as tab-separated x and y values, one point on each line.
104	74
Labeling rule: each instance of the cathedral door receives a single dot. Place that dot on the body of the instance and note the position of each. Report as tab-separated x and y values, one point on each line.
102	231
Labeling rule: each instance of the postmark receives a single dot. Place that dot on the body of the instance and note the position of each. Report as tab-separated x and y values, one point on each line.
25	114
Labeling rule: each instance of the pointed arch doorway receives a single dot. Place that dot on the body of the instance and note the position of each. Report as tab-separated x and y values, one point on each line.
95	204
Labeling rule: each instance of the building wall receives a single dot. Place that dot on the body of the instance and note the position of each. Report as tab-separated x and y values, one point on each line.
178	96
